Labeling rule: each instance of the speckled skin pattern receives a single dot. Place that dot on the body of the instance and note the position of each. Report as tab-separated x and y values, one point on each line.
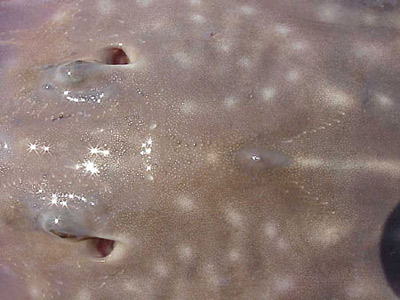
249	150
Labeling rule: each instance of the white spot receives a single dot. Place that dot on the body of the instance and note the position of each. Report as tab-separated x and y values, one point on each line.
234	218
292	75
195	2
368	52
187	107
183	59
161	269
268	93
384	100
326	235
369	19
143	2
198	19
329	13
83	294
299	45
247	10
185	252
105	7
59	16
282	29
210	274
230	102
271	230
362	288
225	46
234	255
245	62
337	98
185	203
284	284
282	244
212	157
34	291
374	165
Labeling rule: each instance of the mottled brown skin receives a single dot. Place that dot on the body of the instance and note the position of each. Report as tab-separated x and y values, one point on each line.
273	129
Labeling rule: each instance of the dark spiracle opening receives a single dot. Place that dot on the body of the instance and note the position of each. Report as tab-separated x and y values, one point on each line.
101	248
390	250
97	247
114	56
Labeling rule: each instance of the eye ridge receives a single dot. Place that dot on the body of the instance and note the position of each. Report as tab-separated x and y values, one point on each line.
65	235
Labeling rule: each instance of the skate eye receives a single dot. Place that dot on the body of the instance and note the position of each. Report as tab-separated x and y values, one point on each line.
73	74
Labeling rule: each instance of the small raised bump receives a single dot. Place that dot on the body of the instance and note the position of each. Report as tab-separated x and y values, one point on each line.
259	159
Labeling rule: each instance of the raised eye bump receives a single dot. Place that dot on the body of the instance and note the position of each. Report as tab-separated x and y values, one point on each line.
76	72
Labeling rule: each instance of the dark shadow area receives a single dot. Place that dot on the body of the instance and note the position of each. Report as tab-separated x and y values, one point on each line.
390	250
114	56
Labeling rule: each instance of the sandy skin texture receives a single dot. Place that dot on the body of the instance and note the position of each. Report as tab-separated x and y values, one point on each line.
194	149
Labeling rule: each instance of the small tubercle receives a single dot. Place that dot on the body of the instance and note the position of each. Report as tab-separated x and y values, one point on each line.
260	159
